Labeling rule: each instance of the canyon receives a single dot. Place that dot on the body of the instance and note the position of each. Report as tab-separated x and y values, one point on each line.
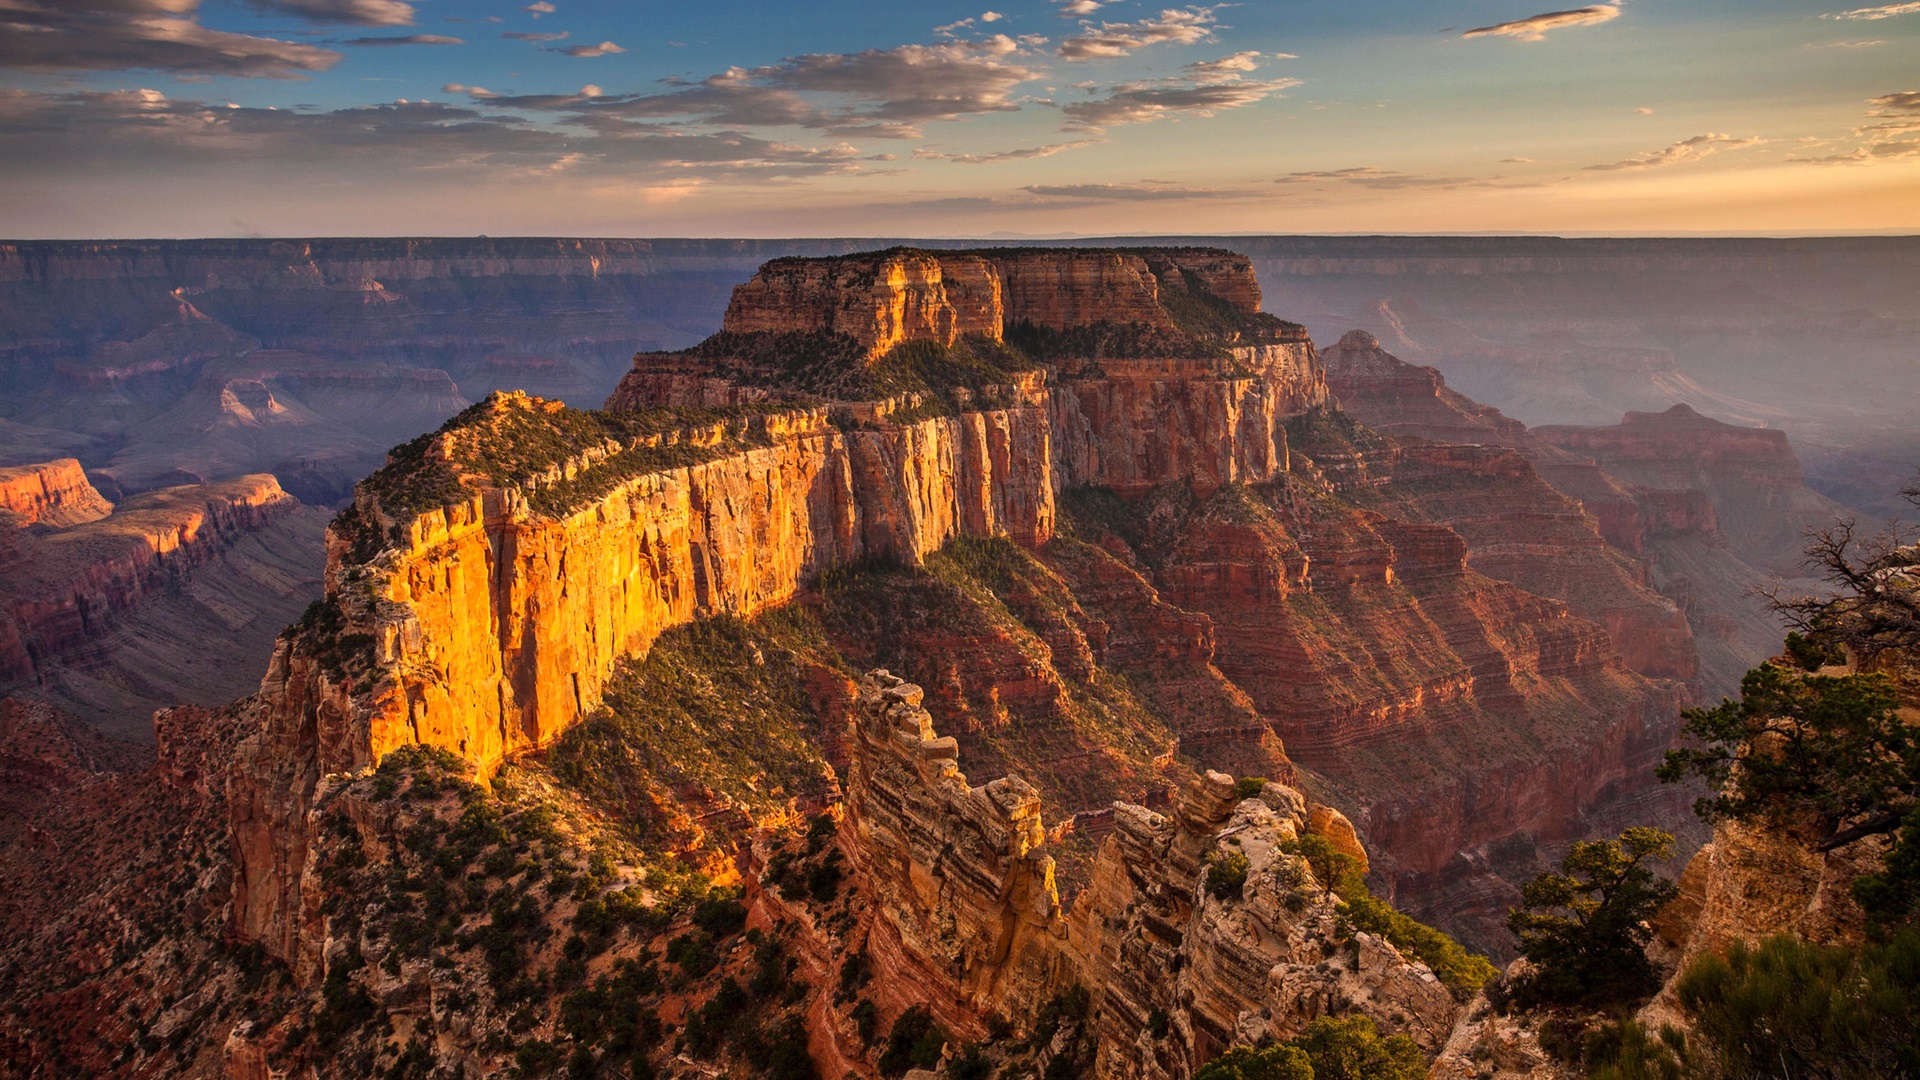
1550	330
167	597
1089	519
480	597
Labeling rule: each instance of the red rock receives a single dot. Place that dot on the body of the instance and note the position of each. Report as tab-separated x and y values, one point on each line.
56	492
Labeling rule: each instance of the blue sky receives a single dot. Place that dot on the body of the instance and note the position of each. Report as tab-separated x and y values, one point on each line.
1037	117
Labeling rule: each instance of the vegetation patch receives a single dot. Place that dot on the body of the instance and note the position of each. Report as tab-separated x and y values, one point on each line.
719	705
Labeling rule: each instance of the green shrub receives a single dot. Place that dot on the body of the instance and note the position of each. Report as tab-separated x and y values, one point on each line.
1227	875
1787	1008
1585	928
1352	1048
1812	655
1283	1062
694	953
1625	1050
1329	864
537	1057
719	913
1249	786
1827	747
1460	971
823	881
1331	1048
914	1043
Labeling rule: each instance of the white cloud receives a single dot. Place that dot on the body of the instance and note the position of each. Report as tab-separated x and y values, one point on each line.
1227	67
884	93
144	132
1536	27
1173	26
1070	9
1685	150
1644	111
539	8
991	16
1875	13
588	52
1896	136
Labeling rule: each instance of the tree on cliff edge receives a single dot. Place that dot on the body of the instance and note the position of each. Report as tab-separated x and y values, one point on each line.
1584	929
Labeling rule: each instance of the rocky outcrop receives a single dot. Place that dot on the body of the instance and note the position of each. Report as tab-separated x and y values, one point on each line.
67	587
1757	879
1530	514
966	915
883	299
966	919
1750	476
879	300
487	626
1462	713
56	493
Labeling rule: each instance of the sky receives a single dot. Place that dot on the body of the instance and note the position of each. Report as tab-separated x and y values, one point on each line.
180	118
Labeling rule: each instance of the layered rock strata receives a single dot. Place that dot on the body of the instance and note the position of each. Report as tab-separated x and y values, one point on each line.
66	587
966	919
1750	475
487	627
55	492
483	612
1698	511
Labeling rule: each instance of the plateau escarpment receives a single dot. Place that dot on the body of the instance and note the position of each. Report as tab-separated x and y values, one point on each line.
1696	514
101	605
489	582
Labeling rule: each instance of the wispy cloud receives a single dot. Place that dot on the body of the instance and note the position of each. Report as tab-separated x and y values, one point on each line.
144	130
1367	176
1230	67
1178	27
587	52
539	8
352	12
1848	44
1887	11
1142	192
1073	9
1023	154
1146	101
525	35
1536	27
1685	150
882	93
410	39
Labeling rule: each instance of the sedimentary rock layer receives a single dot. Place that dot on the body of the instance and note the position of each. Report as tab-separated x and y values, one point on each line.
966	919
55	492
66	588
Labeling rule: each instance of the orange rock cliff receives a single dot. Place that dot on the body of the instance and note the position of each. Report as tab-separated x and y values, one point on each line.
484	586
